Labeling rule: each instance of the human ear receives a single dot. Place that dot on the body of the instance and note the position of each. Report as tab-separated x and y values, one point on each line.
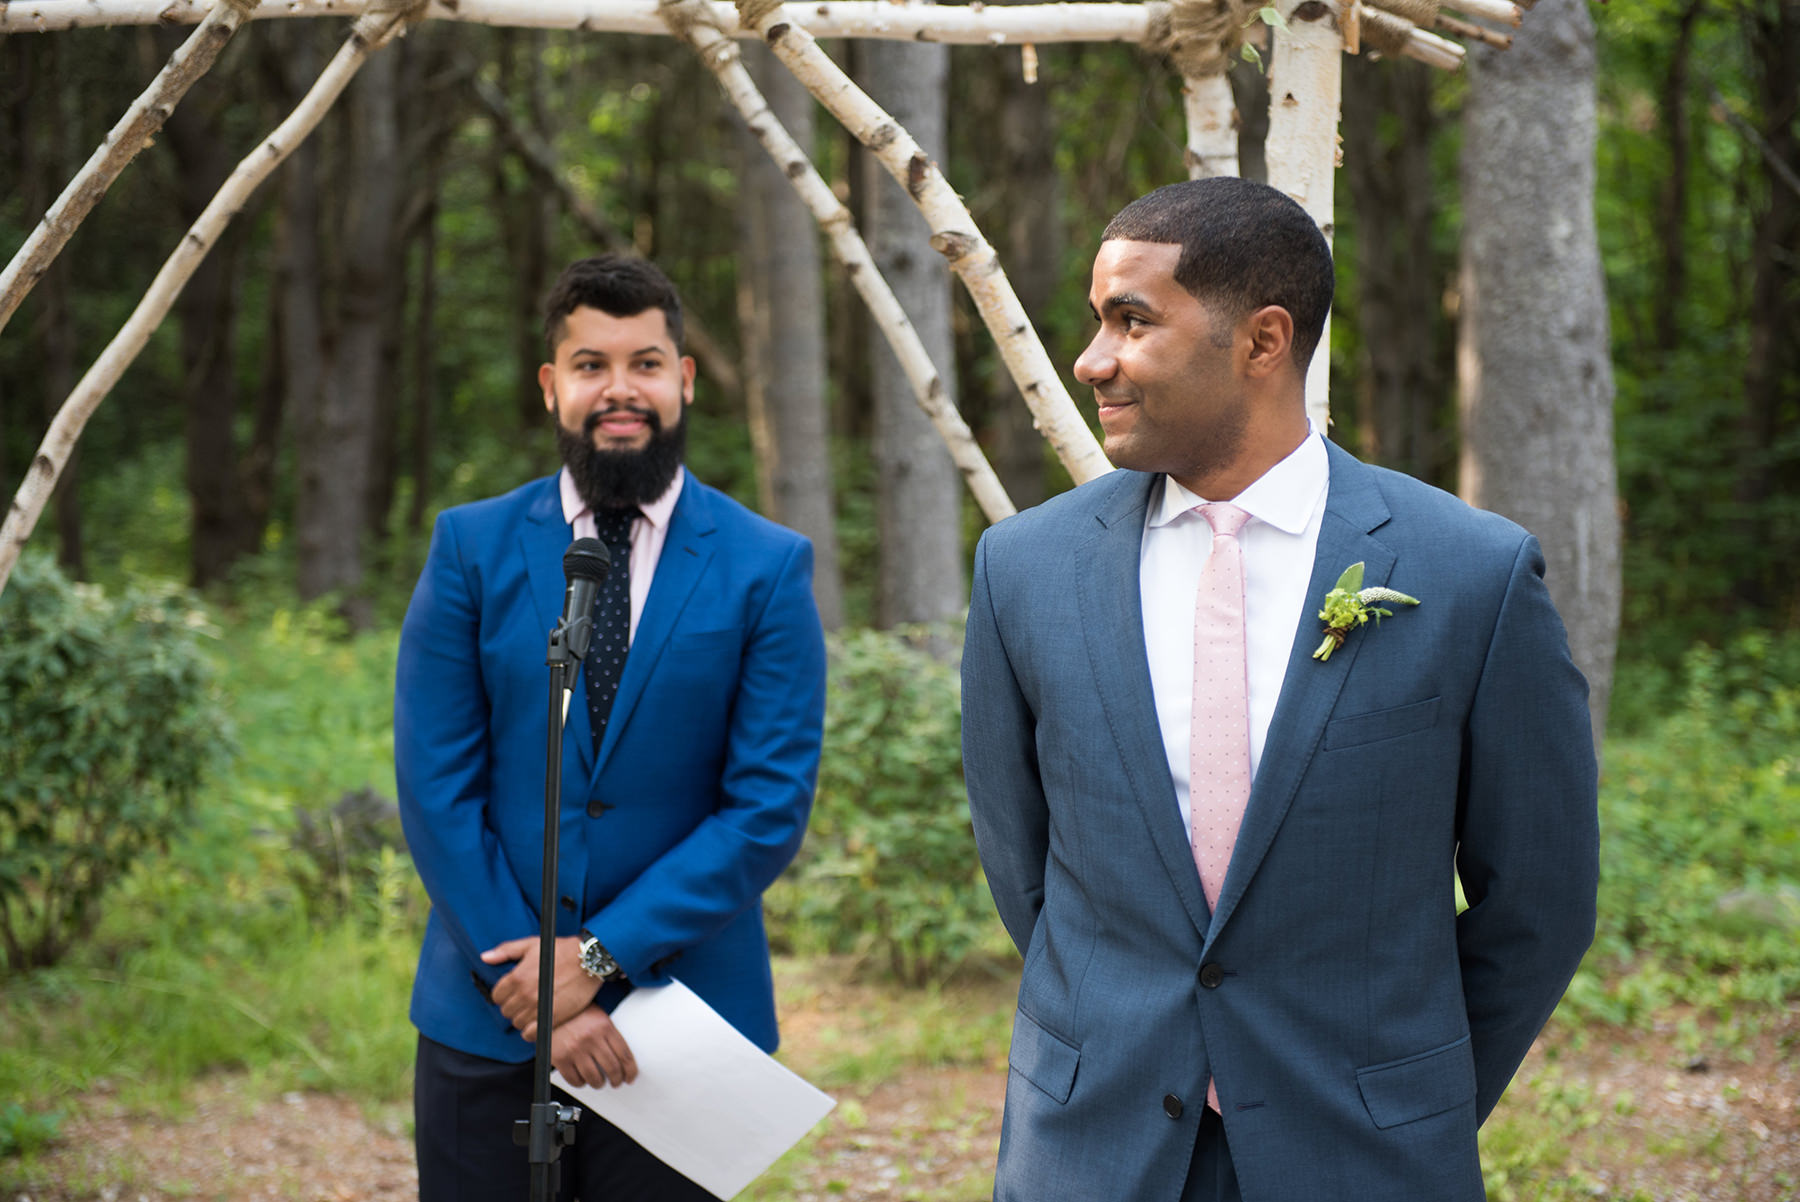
1271	339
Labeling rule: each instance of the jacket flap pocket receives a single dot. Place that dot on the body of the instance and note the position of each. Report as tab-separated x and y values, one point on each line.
1382	724
1043	1059
1404	1091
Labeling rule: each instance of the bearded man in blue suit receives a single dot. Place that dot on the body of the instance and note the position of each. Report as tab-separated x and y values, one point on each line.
1225	841
688	762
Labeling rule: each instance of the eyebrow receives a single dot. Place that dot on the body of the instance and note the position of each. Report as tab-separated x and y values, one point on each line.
1122	300
652	349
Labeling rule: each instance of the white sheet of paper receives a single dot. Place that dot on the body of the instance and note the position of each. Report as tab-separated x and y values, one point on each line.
707	1102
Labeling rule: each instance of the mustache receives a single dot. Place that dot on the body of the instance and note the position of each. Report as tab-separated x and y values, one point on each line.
592	421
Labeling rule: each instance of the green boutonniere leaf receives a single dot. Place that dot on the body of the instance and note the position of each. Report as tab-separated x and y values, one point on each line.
1349	605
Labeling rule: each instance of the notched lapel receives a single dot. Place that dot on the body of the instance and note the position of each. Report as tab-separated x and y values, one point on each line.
686	553
542	541
1114	634
1353	509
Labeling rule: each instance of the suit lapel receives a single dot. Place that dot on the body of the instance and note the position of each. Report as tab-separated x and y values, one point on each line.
1114	632
542	541
1353	509
686	552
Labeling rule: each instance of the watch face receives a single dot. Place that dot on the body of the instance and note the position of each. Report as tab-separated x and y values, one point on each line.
595	962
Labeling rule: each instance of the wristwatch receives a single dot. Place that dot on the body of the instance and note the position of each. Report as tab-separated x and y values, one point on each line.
596	961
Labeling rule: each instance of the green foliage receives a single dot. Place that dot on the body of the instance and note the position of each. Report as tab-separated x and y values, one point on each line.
107	727
23	1132
889	870
1700	856
237	949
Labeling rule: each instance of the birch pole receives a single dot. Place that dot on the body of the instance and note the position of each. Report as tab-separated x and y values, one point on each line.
1212	134
954	235
370	33
1200	37
146	115
691	22
894	20
1306	73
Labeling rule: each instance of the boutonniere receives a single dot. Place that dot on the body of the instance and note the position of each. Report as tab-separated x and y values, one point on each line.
1349	605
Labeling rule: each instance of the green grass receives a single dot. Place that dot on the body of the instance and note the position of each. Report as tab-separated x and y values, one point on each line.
233	953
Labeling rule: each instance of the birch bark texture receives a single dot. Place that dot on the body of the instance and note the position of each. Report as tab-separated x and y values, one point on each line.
132	133
1533	351
722	58
954	234
1305	82
368	35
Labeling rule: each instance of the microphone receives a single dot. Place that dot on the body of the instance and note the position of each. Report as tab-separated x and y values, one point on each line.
585	565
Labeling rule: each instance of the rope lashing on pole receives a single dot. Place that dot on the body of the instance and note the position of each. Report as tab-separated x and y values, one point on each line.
1200	37
1397	27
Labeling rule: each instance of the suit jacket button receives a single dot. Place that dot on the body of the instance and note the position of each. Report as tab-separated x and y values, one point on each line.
1171	1105
596	808
1211	975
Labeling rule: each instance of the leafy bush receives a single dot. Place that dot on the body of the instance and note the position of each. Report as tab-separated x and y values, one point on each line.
889	871
22	1132
1700	855
107	726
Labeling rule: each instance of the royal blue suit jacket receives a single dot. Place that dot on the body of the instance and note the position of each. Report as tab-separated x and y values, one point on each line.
697	799
1359	1029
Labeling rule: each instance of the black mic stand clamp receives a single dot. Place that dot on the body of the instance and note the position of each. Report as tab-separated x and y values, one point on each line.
551	1127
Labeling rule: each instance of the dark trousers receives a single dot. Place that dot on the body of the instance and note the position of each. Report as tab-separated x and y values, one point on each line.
1211	1177
463	1111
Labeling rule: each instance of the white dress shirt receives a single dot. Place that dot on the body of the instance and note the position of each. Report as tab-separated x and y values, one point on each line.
648	533
1285	505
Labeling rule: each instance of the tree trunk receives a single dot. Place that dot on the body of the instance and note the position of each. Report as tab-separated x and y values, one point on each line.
335	463
47	170
919	506
207	311
526	213
1388	133
299	253
784	337
1250	92
1671	217
1535	371
1769	461
1032	245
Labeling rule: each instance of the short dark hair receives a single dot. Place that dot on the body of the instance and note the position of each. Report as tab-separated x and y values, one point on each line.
617	285
1244	245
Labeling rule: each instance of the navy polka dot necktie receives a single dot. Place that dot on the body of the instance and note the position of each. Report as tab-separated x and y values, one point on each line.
612	620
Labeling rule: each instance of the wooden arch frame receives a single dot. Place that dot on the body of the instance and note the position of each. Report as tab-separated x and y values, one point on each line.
1309	38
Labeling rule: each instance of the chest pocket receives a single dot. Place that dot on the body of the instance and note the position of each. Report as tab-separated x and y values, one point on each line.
1394	723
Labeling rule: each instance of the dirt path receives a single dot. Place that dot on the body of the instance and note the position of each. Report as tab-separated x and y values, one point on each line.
1640	1120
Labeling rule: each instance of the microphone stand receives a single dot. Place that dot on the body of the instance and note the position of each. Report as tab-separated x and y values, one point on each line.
551	1127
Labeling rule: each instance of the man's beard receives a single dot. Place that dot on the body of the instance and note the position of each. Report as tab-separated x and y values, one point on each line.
609	479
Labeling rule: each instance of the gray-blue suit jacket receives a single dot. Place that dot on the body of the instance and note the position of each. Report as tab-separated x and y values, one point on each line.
1359	1029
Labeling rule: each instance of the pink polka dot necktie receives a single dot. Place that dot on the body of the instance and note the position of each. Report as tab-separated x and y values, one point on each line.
1219	740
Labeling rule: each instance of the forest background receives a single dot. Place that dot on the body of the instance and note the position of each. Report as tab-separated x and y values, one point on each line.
200	872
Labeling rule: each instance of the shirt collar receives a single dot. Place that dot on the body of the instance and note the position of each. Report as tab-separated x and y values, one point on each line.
657	512
1284	496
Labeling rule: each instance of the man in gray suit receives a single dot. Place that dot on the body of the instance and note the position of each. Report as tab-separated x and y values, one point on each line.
1224	838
